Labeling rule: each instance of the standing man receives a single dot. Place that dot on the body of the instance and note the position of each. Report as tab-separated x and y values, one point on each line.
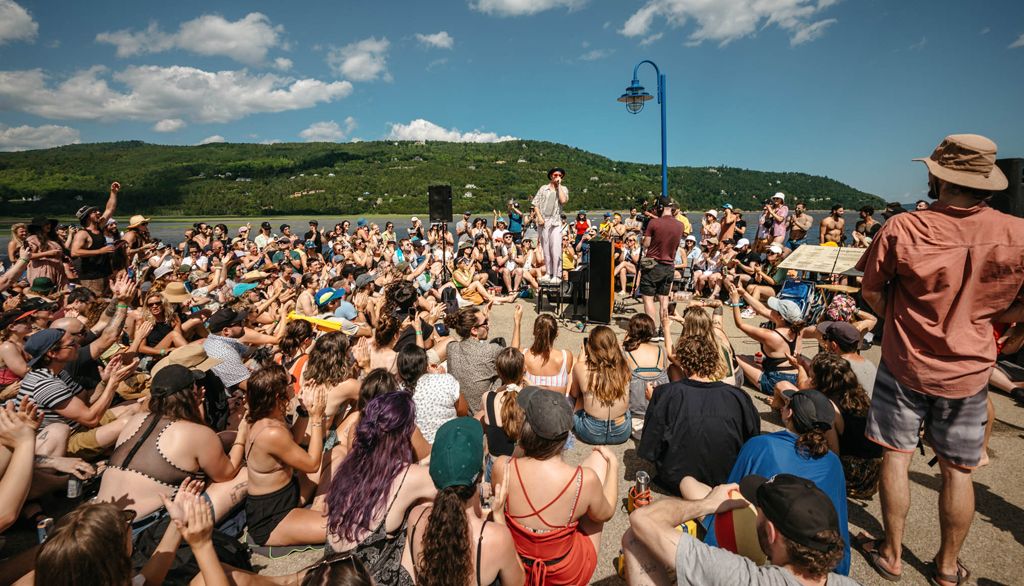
515	221
729	217
941	277
547	213
89	247
799	224
660	243
834	222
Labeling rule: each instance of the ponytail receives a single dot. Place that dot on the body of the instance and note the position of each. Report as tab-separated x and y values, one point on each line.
812	443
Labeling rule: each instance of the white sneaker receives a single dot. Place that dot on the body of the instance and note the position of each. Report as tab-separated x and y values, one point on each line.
748	313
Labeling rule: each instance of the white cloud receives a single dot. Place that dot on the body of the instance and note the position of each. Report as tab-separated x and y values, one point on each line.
169	125
328	131
283	64
24	138
421	129
919	45
364	60
522	7
810	32
246	40
596	54
985	31
1018	43
724	21
651	39
441	40
271	141
16	23
216	138
156	93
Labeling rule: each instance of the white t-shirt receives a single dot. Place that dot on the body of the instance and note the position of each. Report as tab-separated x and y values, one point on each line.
435	399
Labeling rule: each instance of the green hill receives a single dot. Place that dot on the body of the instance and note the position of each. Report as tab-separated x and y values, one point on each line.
370	177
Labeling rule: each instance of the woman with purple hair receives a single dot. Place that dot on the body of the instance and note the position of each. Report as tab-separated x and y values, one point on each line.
376	486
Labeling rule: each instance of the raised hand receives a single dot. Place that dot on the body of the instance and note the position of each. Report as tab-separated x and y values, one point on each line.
15	431
27	412
115	187
518	312
143	327
198	527
318	404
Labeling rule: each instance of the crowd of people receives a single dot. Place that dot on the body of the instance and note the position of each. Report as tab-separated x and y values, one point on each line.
343	388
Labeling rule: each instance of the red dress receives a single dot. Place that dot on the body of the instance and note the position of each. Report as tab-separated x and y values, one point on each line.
563	555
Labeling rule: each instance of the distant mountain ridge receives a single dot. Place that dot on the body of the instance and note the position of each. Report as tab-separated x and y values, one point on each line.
381	177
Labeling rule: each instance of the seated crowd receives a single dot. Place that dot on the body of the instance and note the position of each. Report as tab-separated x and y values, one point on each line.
266	392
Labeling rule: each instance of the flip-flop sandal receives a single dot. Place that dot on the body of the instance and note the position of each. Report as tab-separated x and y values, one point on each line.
862	544
961	576
619	563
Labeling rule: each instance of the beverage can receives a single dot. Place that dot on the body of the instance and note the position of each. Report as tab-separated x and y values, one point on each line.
758	358
43	529
74	488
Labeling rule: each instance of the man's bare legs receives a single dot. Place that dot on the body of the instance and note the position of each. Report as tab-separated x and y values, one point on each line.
956	510
894	490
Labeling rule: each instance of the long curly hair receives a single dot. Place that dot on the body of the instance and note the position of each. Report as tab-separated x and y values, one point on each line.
382	448
696	358
837	381
608	378
697	322
387	330
329	361
545	330
445	557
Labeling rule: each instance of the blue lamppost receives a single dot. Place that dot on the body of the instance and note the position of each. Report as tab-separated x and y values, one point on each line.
634	99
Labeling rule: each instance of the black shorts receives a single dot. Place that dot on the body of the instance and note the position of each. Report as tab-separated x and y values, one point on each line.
264	512
657	280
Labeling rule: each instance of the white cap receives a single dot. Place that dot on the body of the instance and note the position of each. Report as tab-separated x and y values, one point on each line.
691	237
414	219
779	195
712	213
742	242
775	248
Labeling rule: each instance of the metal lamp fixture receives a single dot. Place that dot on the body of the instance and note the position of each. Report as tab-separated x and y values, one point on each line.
634	99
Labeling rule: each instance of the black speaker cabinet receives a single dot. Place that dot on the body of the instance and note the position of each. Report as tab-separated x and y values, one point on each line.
440	198
1011	199
602	282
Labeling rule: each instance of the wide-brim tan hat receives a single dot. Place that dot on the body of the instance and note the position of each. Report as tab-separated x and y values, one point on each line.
176	293
968	160
136	221
191	356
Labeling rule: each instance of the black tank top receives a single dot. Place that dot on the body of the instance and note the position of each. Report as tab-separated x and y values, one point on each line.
94	267
498	442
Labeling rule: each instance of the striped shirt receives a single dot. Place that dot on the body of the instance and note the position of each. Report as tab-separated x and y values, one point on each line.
48	392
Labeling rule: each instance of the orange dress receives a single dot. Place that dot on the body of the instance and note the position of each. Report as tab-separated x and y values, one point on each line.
562	556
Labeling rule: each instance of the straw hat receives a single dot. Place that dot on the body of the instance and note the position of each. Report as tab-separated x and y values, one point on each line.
175	292
968	160
191	355
136	221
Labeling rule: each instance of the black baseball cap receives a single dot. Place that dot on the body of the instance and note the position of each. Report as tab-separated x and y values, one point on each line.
840	332
798	509
812	411
172	379
225	317
548	412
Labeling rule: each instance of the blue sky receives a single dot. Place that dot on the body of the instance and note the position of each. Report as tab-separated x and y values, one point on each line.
851	89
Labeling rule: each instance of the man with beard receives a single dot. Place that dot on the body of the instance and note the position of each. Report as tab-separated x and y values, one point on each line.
799	224
833	226
89	247
797	529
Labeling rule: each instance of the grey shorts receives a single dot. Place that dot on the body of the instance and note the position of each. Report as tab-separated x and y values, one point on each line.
954	428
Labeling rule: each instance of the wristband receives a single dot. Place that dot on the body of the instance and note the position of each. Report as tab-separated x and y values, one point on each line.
419	332
122	305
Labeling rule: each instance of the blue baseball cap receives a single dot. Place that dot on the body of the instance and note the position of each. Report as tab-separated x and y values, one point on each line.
361	222
241	288
346	311
726	206
327	295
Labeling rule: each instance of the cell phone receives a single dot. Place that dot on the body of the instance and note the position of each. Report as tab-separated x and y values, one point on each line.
672	308
442	330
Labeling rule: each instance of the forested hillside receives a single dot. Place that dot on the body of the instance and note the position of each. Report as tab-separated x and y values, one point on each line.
371	177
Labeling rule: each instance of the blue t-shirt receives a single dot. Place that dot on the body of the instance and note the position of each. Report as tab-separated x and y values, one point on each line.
775	453
515	222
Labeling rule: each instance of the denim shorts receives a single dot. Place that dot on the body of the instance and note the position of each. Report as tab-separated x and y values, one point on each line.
600	432
770	378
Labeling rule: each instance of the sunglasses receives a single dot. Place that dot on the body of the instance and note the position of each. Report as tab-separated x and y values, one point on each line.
483	324
154	304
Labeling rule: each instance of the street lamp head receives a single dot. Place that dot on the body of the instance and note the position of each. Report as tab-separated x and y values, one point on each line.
635	97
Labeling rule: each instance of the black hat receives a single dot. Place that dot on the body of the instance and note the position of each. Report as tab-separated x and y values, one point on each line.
41	342
37	304
265	225
840	332
556	170
172	379
548	412
812	411
83	213
797	508
225	317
